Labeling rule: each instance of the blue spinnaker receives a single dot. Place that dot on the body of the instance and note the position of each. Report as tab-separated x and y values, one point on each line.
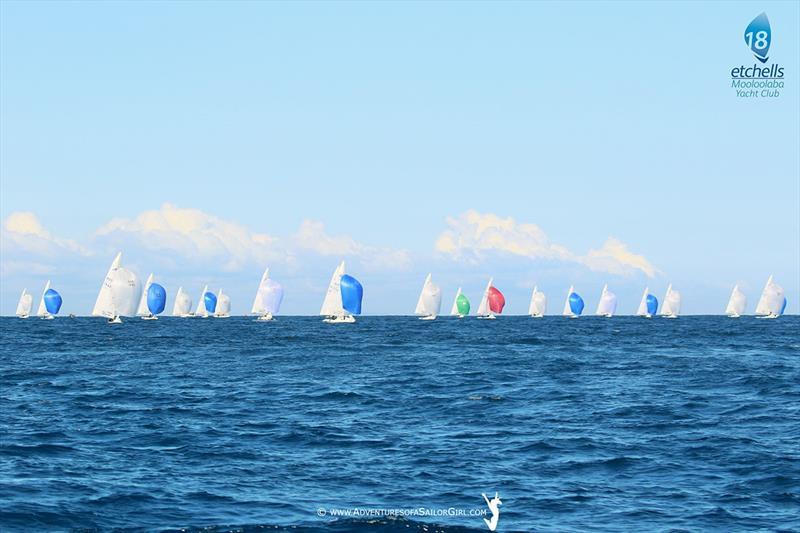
210	301
156	298
352	293
652	304
575	303
783	306
52	301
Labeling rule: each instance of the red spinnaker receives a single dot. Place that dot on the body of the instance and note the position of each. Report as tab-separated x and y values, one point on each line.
496	301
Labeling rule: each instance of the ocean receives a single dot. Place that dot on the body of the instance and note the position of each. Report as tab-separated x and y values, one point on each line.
231	424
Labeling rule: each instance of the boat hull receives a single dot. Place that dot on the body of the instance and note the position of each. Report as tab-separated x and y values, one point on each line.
349	319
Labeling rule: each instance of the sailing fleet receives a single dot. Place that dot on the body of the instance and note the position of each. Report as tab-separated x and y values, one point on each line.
122	295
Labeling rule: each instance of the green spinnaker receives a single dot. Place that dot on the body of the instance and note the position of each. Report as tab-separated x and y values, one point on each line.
462	304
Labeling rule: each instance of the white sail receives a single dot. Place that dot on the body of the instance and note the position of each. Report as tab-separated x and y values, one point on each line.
183	304
332	305
25	304
430	299
737	303
771	299
201	304
454	309
642	311
483	308
223	305
42	311
672	302
538	303
143	310
258	301
567	309
607	305
119	293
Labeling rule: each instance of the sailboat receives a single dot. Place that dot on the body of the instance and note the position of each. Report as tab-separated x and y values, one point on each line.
332	306
648	305
772	301
49	304
737	303
460	305
207	303
183	304
538	303
268	298
118	294
430	300
573	306
223	309
671	307
25	304
492	302
153	300
607	305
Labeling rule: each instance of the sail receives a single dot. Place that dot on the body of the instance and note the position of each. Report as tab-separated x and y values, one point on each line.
271	297
52	301
737	302
567	311
332	304
496	300
483	307
454	309
209	303
771	300
201	303
462	303
25	303
42	311
352	294
607	305
576	304
142	309
652	304
183	303
672	302
642	310
258	301
223	304
119	293
783	306
538	303
156	298
430	299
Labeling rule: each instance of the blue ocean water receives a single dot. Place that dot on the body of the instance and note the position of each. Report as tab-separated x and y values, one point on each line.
591	424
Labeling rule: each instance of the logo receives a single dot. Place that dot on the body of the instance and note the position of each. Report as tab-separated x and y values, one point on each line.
758	37
494	506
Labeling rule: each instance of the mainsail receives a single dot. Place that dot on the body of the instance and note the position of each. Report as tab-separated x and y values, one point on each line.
223	305
42	311
672	303
119	293
483	307
772	299
142	309
607	305
201	303
538	303
268	297
183	304
332	304
737	303
430	299
25	304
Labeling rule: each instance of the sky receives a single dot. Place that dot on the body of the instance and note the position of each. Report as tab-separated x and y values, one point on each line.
554	144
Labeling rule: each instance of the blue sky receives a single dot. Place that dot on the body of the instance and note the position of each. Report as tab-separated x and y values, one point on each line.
297	134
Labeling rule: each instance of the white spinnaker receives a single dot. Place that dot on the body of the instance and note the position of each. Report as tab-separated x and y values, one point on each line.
567	308
737	302
771	299
430	299
258	302
332	304
143	310
538	303
483	308
119	293
454	309
42	311
642	310
607	305
223	304
672	302
201	303
271	297
25	303
183	303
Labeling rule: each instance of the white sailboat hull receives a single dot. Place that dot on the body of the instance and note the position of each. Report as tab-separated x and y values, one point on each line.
347	319
486	317
265	318
150	317
428	317
115	320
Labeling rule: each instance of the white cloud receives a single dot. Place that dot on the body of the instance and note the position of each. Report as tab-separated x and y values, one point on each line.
23	232
472	235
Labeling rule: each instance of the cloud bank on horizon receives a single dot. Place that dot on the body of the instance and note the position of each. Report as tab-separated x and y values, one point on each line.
217	244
